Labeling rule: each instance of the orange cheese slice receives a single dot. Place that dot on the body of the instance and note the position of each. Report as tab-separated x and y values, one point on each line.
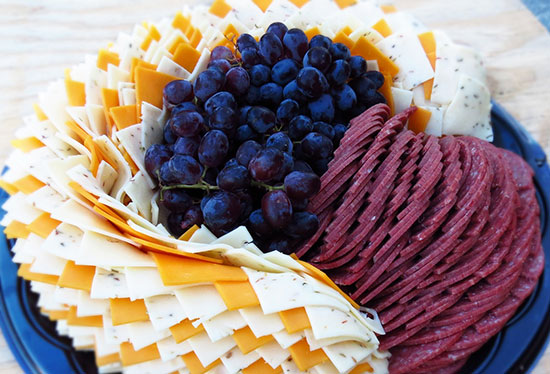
106	360
176	271
43	225
345	3
299	3
40	115
195	38
310	33
91	321
109	99
388	9
78	277
175	44
28	184
189	233
341	37
220	8
185	330
96	155
26	273
237	295
418	121
347	30
138	63
247	341
181	22
306	358
82	135
76	92
105	57
295	320
124	310
427	40
129	356
263	4
150	85
262	367
8	187
383	28
362	368
16	230
56	315
194	365
124	116
186	56
386	91
364	48
27	144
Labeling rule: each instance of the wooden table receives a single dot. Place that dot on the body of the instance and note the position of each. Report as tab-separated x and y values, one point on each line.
39	39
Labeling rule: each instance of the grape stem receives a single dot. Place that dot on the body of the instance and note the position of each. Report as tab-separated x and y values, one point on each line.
266	186
202	186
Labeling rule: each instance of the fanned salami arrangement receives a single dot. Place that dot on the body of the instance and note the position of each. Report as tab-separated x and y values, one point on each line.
274	187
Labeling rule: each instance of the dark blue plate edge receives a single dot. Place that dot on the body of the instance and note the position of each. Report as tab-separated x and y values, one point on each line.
41	354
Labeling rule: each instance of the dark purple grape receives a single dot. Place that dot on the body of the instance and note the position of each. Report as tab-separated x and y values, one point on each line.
250	57
237	81
221	53
316	146
288	165
358	66
174	224
220	99
176	200
344	97
185	169
296	44
221	212
322	109
375	77
247	151
362	86
357	110
186	123
339	51
155	156
374	97
265	166
253	95
259	74
277	209
324	128
319	58
320	41
245	133
287	110
243	114
261	119
224	119
299	127
300	185
283	245
168	135
338	73
177	92
258	225
222	65
312	82
246	41
281	141
284	71
231	162
193	216
303	225
320	165
233	178
271	94
210	176
208	83
213	148
187	145
279	29
339	132
246	202
299	205
271	48
293	92
302	166
166	174
184	107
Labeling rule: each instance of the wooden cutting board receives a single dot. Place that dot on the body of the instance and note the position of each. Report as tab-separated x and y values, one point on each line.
39	39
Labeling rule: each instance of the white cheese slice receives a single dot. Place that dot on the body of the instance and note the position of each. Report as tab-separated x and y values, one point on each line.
65	295
342	324
435	123
53	102
224	325
96	117
102	347
115	335
108	285
152	128
208	352
169	349
277	11
130	139
37	162
128	96
58	168
164	311
201	302
86	306
75	144
146	282
124	172
46	263
407	53
155	367
261	323
143	334
470	110
106	176
404	23
345	355
402	99
20	210
115	75
234	360
96	80
64	241
273	354
140	192
201	65
79	115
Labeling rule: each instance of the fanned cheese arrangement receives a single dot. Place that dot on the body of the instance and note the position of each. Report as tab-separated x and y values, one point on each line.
174	196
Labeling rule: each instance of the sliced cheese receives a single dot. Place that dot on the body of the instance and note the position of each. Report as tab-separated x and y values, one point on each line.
123	311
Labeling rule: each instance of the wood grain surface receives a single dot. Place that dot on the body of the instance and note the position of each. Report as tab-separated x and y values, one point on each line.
38	39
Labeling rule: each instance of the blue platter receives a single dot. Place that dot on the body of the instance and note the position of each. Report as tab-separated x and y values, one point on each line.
516	349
